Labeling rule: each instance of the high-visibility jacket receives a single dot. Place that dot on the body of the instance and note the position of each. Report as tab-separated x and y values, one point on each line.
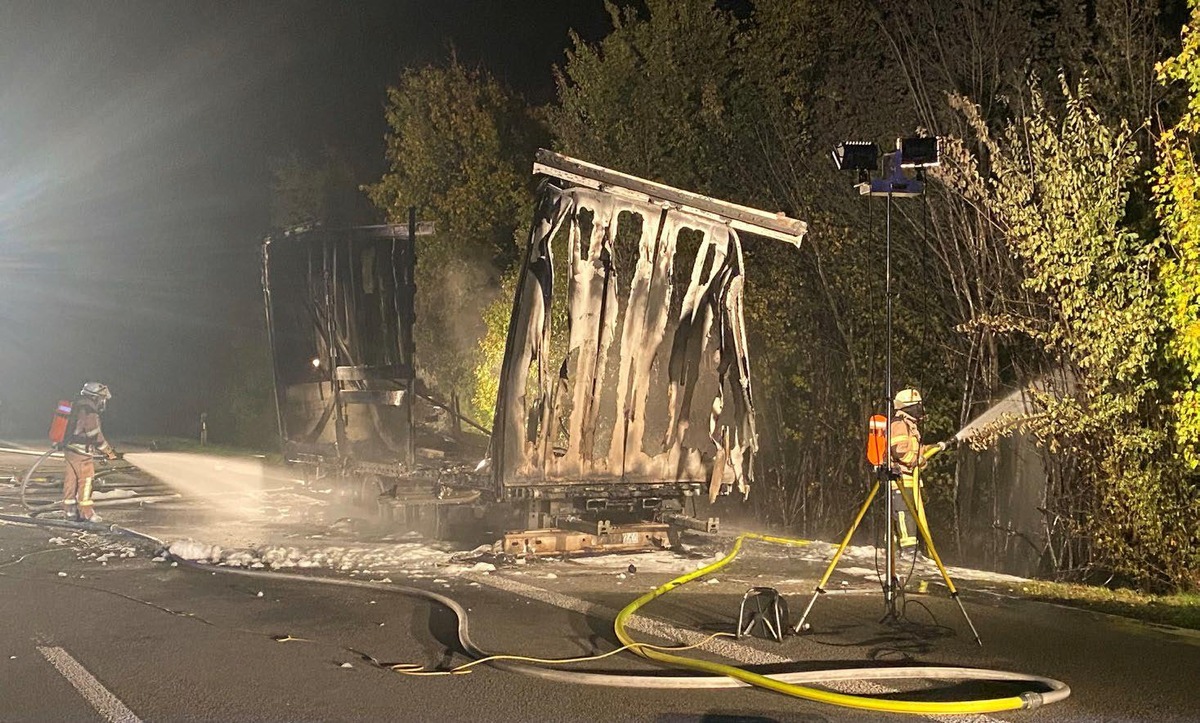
83	431
908	457
908	454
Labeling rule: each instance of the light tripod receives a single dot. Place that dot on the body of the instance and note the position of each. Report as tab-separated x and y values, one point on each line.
862	157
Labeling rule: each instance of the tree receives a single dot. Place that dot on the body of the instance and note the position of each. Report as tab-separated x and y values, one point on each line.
1061	192
242	411
649	98
324	190
459	149
1177	191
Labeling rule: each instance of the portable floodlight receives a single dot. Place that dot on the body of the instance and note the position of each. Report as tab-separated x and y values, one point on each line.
856	156
894	183
919	152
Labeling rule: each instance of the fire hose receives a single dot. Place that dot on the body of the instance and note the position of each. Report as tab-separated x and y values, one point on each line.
720	675
35	510
29	474
1057	690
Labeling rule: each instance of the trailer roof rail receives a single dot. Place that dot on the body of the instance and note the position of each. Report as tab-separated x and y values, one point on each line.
397	231
742	218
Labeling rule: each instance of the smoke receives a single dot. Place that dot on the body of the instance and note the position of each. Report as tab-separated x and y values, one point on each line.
452	294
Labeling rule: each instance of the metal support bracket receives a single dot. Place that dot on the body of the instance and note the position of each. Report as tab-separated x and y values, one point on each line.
766	609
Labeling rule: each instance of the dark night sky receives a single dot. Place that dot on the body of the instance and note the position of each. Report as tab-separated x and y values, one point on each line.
135	147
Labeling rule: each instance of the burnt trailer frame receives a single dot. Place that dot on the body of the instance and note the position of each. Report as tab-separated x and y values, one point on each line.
332	352
573	440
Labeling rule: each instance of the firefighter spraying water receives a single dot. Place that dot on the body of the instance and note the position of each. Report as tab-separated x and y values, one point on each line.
908	457
901	471
81	441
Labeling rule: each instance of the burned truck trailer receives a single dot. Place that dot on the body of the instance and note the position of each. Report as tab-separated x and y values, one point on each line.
339	308
625	389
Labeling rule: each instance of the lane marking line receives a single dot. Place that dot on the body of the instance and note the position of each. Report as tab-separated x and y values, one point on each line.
106	704
722	646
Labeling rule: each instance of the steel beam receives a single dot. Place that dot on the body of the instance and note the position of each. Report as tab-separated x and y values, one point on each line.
742	218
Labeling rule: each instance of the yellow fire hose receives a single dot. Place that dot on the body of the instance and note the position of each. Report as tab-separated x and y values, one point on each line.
721	676
989	705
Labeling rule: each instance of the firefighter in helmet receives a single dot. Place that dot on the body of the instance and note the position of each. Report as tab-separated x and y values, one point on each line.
908	458
84	441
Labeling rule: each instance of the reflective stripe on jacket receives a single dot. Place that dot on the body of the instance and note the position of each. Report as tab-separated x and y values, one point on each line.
84	434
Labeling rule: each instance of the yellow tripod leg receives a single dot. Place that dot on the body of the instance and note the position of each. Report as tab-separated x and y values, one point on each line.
837	556
924	530
918	498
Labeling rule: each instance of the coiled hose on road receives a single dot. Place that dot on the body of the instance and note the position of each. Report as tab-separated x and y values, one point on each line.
796	684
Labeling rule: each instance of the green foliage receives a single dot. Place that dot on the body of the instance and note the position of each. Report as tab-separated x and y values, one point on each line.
458	149
1178	194
496	316
326	191
649	99
486	375
1181	609
242	411
1060	191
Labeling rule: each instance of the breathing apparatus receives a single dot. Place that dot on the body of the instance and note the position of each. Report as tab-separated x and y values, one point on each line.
58	425
97	392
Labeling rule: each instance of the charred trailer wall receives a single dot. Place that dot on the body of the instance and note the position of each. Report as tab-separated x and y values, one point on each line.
626	359
340	318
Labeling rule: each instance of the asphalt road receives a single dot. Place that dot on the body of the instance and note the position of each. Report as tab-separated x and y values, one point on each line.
95	629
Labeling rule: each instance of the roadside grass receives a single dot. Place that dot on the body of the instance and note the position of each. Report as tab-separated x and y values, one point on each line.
1180	609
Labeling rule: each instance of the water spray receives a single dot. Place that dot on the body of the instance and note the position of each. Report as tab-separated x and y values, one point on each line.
1016	406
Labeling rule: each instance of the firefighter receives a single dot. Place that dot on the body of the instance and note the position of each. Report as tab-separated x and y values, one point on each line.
83	442
908	457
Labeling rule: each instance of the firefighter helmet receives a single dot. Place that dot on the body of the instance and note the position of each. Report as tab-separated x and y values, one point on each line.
906	398
96	391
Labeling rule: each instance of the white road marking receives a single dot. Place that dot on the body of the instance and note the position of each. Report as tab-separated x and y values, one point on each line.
722	646
105	703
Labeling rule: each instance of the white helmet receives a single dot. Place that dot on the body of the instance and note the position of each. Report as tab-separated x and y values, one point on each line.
96	391
906	398
908	401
